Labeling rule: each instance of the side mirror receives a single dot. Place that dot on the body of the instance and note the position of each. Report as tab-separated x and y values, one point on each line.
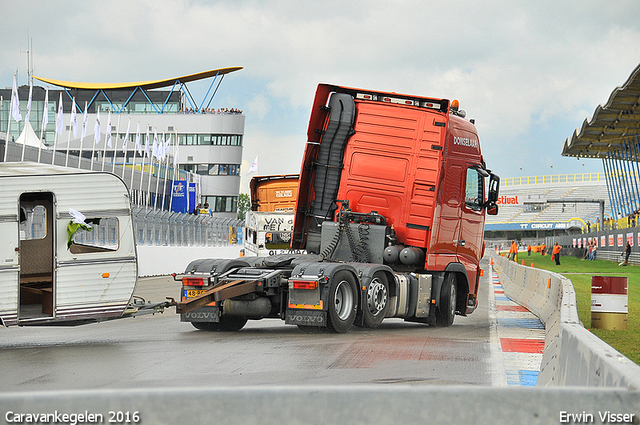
492	209
494	189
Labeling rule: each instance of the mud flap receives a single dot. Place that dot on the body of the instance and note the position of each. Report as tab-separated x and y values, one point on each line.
202	314
306	317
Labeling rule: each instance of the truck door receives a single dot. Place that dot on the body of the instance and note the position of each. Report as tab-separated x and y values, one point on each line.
472	223
36	247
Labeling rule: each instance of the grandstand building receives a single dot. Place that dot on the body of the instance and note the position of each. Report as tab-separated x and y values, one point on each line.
534	208
208	141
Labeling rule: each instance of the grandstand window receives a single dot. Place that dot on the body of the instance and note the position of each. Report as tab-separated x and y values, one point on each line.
474	191
533	207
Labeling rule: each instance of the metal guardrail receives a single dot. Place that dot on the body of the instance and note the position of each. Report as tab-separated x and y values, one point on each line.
165	228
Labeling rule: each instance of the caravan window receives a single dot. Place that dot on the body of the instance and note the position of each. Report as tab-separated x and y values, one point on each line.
33	223
103	236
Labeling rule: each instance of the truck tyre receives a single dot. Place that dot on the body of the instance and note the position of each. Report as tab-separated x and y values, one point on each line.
206	326
447	307
343	305
232	323
226	323
377	301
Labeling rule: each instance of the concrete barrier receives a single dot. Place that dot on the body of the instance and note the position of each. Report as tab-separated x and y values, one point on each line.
573	356
164	260
372	404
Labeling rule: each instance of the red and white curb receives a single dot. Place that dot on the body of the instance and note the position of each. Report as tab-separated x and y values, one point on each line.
517	339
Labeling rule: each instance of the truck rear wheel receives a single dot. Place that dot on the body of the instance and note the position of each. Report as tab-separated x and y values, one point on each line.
343	304
226	324
377	303
447	308
232	323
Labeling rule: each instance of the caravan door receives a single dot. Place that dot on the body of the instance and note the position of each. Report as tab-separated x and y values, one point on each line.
9	266
37	256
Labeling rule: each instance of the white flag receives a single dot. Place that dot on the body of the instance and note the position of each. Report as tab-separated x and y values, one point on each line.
74	118
167	146
28	114
15	102
154	149
254	166
162	148
175	161
138	144
84	122
126	137
60	121
147	142
109	129
97	137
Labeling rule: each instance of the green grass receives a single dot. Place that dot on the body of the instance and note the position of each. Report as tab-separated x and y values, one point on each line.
579	272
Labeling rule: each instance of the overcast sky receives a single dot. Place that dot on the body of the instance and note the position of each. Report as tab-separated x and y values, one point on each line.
528	72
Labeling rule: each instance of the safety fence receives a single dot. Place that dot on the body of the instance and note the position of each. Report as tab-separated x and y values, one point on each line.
553	178
165	228
572	355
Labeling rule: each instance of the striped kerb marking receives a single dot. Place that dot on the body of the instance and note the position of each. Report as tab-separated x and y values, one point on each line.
521	338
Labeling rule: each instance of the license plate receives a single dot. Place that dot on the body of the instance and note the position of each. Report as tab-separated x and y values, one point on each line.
192	293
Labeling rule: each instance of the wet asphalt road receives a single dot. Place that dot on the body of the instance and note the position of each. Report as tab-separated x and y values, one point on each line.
160	351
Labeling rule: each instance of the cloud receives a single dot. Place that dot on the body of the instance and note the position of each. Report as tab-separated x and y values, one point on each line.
526	71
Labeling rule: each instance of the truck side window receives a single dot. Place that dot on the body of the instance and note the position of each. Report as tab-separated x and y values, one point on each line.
474	190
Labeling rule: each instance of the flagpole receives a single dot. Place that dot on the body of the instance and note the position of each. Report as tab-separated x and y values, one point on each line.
59	126
104	152
173	176
6	140
135	151
115	145
96	135
166	171
66	161
45	121
150	155
27	116
145	153
83	134
149	184
157	149
14	92
125	146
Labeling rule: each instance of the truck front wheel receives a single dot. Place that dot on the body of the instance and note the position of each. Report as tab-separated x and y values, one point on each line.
343	298
447	307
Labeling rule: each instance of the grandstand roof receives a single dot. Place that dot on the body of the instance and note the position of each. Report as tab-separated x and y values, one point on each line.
146	85
611	124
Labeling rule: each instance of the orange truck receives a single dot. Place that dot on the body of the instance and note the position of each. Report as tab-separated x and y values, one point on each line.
269	224
274	193
393	192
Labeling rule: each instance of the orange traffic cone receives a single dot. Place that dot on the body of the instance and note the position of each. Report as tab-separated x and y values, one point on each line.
491	262
523	262
532	265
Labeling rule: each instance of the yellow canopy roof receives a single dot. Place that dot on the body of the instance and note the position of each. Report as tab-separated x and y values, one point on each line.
147	85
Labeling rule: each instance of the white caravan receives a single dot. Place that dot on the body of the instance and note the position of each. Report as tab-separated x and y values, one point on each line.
67	247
